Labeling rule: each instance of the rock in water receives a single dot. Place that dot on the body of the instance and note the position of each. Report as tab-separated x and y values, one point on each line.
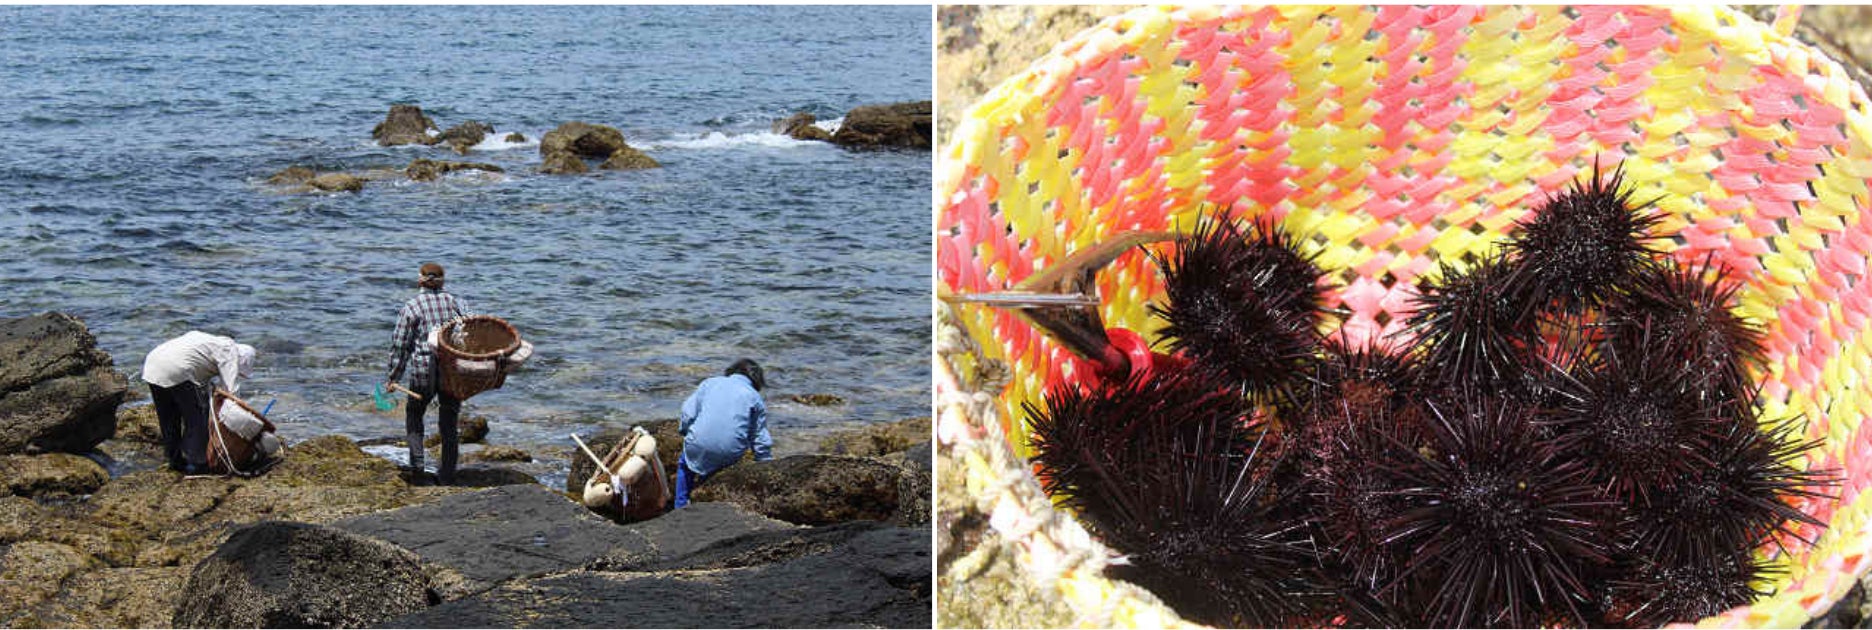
629	159
583	139
293	176
877	439
516	137
563	163
337	182
894	125
809	489
58	391
801	126
281	574
405	124
464	136
427	170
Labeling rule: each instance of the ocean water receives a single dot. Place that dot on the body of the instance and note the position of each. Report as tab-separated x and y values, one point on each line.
135	143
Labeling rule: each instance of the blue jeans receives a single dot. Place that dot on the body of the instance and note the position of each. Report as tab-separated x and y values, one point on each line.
686	480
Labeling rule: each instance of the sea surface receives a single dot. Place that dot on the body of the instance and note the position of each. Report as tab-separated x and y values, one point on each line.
135	144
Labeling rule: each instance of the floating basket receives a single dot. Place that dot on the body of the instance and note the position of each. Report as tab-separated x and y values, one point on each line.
1389	139
469	353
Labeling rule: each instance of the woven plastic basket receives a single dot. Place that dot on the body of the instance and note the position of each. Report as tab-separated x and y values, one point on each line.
469	353
1394	137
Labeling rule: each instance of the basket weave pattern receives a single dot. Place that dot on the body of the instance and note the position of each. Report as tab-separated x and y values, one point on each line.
482	338
1394	137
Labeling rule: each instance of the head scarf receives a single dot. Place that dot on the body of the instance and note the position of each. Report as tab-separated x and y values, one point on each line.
245	357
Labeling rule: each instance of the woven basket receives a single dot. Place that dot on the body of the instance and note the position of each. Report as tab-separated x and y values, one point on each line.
479	338
1388	139
228	452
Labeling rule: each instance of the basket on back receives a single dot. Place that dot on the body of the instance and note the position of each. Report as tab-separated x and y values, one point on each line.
470	354
1393	139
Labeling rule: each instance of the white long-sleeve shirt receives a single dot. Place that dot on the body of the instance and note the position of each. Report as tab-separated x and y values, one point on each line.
197	357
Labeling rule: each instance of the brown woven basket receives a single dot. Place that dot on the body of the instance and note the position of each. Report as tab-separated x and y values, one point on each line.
484	338
228	452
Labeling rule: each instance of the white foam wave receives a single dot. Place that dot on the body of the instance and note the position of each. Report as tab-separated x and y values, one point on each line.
719	140
831	126
498	142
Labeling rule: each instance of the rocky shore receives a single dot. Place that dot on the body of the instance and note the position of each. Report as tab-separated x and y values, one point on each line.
336	537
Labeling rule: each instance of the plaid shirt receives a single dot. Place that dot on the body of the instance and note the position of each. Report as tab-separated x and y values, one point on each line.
409	345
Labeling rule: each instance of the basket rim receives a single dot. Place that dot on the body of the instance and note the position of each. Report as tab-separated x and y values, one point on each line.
442	347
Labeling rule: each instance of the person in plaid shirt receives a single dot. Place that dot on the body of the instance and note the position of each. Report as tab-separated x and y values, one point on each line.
410	352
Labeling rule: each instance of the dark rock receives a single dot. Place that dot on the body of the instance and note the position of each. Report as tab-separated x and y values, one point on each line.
58	391
500	454
877	439
492	477
427	170
893	125
405	124
52	473
293	176
582	139
516	137
464	136
756	548
281	574
683	532
470	429
809	489
494	535
629	159
337	182
875	578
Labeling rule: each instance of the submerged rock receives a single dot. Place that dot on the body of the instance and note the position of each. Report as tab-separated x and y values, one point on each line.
809	489
427	170
405	124
281	574
892	125
293	176
58	391
817	400
877	439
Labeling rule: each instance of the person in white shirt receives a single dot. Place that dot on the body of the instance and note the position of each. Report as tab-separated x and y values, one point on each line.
181	374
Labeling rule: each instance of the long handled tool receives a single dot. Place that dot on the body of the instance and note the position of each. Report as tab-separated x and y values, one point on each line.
594	458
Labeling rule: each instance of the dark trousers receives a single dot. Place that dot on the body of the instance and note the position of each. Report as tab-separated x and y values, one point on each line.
448	412
182	416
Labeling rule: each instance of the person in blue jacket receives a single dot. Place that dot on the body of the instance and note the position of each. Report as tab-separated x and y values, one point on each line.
722	419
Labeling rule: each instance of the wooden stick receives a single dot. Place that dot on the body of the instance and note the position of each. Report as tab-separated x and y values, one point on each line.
400	388
594	458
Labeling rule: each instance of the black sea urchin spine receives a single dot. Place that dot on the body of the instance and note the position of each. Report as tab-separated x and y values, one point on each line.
1637	423
1502	523
1584	244
1244	303
1162	468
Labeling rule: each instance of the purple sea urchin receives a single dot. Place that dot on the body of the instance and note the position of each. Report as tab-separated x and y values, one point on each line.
1682	590
1163	469
1739	501
1245	303
1502	522
1688	315
1471	329
1584	244
1637	423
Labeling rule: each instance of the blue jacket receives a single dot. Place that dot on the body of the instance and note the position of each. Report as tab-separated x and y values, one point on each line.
724	417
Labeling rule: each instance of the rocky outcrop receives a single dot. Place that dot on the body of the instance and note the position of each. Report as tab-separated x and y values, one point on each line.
138	424
809	489
801	126
877	439
295	575
500	454
893	125
858	574
405	124
491	536
564	149
516	137
58	391
427	170
337	182
49	474
293	176
464	136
